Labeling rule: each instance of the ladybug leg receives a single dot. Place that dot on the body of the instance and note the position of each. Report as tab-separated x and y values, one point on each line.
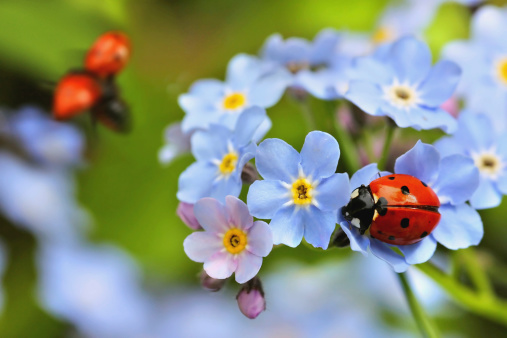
340	239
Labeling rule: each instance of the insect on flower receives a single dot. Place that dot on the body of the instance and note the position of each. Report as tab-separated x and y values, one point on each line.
396	209
93	88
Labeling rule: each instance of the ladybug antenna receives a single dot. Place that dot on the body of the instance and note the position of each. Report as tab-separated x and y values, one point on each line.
378	173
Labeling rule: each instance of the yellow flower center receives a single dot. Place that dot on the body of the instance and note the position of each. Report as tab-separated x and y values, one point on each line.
234	101
488	164
382	34
228	164
401	95
294	67
502	70
302	192
235	240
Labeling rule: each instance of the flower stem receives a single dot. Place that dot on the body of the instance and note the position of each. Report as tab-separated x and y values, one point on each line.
486	306
387	145
423	322
348	148
476	272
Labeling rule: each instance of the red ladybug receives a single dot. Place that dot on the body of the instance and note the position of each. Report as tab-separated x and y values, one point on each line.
108	55
94	88
396	209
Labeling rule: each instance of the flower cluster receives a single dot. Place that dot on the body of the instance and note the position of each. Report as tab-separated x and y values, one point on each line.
306	195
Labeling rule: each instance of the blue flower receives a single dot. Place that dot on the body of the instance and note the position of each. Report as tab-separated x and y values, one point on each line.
221	154
477	139
97	289
454	179
300	193
47	141
247	84
176	144
483	59
402	85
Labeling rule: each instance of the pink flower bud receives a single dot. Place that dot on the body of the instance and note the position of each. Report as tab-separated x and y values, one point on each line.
451	106
210	283
250	298
185	211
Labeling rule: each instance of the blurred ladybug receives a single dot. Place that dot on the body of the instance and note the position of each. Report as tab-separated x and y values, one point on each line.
108	55
94	87
396	209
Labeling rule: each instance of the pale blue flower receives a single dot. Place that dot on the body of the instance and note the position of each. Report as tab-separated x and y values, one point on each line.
300	193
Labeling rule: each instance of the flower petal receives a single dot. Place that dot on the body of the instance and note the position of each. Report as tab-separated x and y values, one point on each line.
363	176
460	227
440	83
277	160
320	154
385	253
247	125
319	226
367	96
199	246
411	59
211	214
268	90
260	239
226	186
486	196
210	144
266	197
457	180
422	161
248	266
287	227
196	182
238	213
221	265
419	252
448	145
242	71
358	242
333	192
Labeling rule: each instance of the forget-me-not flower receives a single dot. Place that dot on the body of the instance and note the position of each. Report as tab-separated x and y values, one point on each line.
247	84
477	139
220	155
454	179
300	193
483	59
404	86
231	242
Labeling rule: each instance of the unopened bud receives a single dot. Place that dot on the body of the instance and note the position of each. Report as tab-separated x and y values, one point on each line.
250	298
210	283
451	106
185	211
249	174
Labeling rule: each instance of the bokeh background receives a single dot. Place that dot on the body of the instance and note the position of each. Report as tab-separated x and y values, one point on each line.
131	197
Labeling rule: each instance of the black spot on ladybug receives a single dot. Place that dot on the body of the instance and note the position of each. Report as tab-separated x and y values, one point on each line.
379	232
405	222
391	238
424	184
391	178
424	234
404	190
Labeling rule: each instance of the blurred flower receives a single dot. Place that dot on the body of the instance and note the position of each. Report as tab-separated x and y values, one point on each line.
483	59
40	199
247	84
403	86
451	106
454	179
177	143
476	138
221	154
47	141
250	298
185	212
231	242
210	283
300	193
95	288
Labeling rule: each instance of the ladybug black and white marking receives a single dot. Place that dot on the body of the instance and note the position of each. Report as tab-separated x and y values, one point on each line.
396	209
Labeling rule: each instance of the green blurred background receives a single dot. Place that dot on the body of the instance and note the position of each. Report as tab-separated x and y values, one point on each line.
131	197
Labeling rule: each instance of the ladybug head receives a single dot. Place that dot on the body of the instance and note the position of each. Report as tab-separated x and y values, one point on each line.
360	209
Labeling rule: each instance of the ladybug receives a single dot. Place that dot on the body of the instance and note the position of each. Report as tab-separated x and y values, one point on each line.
94	87
396	209
108	55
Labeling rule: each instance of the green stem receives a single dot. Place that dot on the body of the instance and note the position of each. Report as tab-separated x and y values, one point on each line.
423	322
308	115
488	307
349	152
387	145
